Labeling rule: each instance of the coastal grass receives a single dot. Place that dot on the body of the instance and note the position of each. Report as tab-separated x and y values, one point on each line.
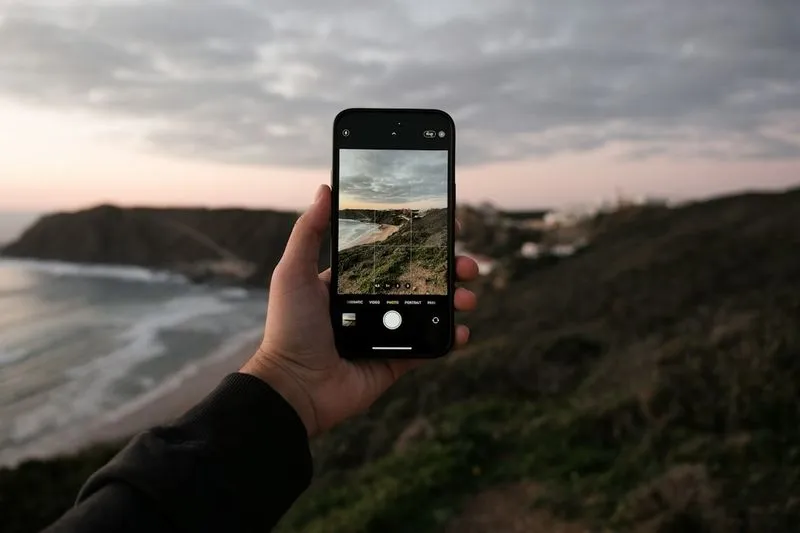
400	258
36	493
671	459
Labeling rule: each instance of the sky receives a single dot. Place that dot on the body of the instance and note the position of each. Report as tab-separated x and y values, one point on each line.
230	102
392	179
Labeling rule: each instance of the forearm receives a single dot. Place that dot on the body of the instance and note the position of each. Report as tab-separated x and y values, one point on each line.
236	462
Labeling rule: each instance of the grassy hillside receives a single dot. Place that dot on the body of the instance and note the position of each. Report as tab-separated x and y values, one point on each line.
37	493
415	254
649	383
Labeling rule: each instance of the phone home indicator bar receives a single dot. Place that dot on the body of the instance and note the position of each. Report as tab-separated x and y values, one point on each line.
391	347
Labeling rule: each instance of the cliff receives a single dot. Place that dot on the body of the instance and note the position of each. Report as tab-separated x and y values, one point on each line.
386	216
225	245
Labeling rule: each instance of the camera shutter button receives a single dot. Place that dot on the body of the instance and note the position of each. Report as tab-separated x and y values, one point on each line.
392	320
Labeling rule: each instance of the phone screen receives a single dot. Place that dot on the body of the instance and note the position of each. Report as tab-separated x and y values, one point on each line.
392	268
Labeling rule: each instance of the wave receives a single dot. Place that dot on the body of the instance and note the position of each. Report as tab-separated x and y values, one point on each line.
83	270
351	232
8	356
173	382
238	293
90	388
73	433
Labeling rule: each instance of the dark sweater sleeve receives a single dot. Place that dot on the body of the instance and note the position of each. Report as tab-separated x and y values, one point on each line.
235	463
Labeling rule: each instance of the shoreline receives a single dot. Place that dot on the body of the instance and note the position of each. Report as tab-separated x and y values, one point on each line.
383	232
167	401
173	398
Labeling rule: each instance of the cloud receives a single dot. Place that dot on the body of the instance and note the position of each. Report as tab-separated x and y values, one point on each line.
394	176
242	82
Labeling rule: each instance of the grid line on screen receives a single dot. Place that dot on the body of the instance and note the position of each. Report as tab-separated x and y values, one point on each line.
411	235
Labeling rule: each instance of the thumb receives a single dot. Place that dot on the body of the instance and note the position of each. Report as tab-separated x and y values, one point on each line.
302	250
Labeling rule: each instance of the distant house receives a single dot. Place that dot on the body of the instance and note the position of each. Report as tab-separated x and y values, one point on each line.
564	250
531	250
567	218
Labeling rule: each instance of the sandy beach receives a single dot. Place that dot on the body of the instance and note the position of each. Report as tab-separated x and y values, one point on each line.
383	232
163	404
172	402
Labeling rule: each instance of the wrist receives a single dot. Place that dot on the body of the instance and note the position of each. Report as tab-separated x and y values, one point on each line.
282	380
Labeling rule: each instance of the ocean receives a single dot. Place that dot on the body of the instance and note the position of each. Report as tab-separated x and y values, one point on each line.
353	231
81	345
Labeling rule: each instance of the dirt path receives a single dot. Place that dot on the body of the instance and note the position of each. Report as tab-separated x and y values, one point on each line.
509	509
418	276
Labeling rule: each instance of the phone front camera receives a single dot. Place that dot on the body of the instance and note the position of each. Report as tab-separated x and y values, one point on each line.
345	133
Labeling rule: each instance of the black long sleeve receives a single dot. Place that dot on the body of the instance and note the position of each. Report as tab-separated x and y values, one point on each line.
234	463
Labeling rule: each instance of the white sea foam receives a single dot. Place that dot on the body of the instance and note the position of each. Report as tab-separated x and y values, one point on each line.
236	343
74	434
90	389
235	293
8	356
352	231
118	272
80	352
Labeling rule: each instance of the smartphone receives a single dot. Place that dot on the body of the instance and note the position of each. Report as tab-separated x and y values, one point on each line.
393	233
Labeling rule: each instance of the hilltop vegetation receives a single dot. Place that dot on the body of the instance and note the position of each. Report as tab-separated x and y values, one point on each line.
414	255
649	383
240	246
393	217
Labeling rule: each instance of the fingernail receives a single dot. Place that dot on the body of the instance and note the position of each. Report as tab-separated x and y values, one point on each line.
320	192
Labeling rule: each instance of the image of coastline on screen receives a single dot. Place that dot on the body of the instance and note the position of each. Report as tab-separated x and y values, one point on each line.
393	222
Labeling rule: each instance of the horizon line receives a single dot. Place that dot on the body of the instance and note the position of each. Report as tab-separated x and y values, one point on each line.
476	203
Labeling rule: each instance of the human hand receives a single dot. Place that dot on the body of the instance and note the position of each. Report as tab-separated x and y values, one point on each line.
297	356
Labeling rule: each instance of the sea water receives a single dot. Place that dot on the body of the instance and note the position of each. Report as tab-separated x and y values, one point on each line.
83	343
353	231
